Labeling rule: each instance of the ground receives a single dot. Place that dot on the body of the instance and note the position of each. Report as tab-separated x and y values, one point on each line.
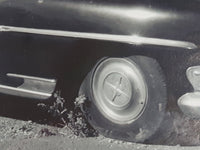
23	135
26	127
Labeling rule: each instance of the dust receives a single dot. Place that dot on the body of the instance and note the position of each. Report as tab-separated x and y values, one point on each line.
176	129
187	130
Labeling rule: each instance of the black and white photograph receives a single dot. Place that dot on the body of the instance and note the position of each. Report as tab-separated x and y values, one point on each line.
99	74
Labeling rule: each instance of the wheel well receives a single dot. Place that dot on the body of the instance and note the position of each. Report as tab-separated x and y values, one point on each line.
172	61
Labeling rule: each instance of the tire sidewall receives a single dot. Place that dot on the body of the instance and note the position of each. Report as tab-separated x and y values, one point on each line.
146	125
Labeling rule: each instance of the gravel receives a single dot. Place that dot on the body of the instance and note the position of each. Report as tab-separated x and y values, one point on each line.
23	135
68	129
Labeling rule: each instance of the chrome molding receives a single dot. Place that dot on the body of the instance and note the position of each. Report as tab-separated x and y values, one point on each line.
24	92
30	77
130	39
32	87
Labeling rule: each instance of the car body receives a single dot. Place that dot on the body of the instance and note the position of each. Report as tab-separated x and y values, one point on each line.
63	39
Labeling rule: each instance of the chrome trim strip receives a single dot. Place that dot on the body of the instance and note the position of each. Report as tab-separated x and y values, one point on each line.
131	39
30	78
32	87
24	92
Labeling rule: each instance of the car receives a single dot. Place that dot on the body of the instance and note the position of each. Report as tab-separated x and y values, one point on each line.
133	60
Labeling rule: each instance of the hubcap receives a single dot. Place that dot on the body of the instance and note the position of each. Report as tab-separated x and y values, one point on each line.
119	90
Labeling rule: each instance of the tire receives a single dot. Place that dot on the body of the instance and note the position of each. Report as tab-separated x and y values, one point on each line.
126	98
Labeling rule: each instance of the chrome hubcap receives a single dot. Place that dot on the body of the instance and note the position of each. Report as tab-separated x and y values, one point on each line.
119	90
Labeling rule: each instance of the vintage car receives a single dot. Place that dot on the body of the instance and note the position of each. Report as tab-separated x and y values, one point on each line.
133	60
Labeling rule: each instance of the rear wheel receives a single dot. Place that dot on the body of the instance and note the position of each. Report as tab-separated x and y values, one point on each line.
127	97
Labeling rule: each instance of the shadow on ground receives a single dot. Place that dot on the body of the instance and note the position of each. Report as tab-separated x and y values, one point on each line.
175	130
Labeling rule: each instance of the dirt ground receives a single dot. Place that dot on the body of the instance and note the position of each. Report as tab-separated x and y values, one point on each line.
16	134
23	135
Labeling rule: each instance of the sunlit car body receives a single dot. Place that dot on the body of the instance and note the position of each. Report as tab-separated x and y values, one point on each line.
59	42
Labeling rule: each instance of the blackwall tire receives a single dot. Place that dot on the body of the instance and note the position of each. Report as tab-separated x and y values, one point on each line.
126	97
